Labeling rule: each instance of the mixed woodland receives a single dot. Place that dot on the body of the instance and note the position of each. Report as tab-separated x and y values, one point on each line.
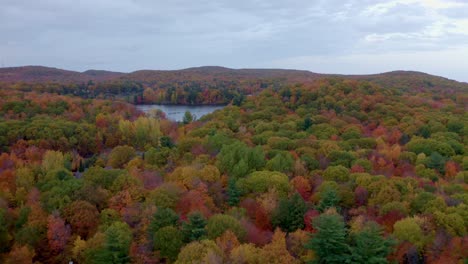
329	170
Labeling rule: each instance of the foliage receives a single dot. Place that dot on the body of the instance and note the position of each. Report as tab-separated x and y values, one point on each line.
120	156
262	181
116	246
238	160
329	198
329	243
220	223
161	218
370	246
289	215
194	228
93	180
168	240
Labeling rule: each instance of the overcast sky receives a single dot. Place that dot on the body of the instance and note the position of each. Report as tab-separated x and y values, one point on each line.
326	36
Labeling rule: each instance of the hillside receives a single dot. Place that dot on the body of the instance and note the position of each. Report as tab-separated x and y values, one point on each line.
33	74
208	74
208	85
410	79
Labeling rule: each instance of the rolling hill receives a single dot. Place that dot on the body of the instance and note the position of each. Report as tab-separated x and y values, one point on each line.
34	74
396	79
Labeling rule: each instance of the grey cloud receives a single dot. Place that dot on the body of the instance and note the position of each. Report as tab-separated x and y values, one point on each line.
127	35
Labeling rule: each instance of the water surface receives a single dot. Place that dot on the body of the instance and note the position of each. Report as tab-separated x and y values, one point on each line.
176	112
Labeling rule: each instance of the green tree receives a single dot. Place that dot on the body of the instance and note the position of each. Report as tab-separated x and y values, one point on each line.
220	223
238	99
262	181
408	229
369	245
343	158
427	146
233	193
100	177
337	173
436	161
166	142
329	198
120	155
241	169
421	202
157	157
4	235
188	117
168	240
329	243
306	123
117	245
161	218
289	215
282	162
194	228
452	222
233	157
147	132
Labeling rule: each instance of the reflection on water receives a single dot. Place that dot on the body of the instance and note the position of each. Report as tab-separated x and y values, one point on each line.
176	112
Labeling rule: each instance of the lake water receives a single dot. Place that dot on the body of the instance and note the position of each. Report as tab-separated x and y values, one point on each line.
176	112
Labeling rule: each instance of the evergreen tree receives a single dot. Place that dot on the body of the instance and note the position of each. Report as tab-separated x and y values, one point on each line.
163	217
166	142
307	123
436	161
116	247
194	228
238	99
329	243
233	193
4	236
188	117
289	215
329	198
369	246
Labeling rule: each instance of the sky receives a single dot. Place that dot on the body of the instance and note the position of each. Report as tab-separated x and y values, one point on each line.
324	36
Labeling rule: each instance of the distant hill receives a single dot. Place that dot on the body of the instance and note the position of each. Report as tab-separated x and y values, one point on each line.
102	75
410	79
46	74
397	79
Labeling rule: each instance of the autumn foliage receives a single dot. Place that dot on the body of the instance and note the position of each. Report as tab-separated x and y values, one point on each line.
292	170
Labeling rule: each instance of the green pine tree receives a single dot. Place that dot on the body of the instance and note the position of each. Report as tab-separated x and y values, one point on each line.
194	228
369	246
116	247
163	217
233	193
329	198
329	243
289	215
4	236
188	117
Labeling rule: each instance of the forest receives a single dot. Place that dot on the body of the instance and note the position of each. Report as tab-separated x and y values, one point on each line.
332	169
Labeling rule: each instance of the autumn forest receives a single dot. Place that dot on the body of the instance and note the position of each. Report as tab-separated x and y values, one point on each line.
297	168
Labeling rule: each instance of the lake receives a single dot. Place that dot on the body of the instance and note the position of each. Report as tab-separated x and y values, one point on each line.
176	112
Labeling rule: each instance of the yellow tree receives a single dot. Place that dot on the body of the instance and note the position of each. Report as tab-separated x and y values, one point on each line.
276	251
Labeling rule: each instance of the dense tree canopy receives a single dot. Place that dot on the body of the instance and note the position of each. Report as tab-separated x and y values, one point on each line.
324	171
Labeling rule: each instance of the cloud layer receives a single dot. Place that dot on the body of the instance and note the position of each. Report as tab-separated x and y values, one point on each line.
338	36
